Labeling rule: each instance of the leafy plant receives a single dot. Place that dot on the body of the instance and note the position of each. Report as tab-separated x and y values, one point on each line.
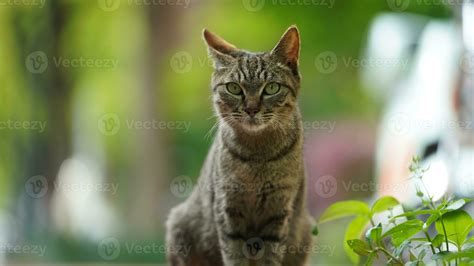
397	240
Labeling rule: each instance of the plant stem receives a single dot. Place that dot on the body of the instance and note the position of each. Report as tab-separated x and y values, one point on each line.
433	206
389	255
445	234
428	194
431	244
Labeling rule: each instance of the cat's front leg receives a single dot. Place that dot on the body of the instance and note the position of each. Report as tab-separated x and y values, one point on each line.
233	252
274	234
265	247
230	225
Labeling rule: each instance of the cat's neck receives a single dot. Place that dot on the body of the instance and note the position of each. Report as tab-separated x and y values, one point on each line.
267	144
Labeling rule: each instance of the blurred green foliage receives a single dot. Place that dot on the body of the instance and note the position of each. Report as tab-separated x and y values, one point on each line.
88	31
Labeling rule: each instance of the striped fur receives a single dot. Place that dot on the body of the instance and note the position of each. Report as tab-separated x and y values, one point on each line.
249	206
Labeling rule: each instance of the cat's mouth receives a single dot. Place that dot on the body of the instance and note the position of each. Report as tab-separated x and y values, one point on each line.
249	123
254	123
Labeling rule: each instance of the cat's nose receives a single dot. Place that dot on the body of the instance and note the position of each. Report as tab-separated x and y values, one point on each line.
252	111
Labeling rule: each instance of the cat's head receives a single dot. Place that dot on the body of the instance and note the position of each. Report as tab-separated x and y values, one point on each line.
255	91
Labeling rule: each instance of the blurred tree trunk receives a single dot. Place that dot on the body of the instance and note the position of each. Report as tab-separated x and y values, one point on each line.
151	185
39	30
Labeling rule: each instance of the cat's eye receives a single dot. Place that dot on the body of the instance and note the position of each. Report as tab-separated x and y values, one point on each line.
271	88
233	88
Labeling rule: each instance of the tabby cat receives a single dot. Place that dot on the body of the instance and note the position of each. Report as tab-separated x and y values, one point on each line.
248	207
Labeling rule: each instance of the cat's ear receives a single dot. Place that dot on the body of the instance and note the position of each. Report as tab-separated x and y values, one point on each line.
222	52
288	48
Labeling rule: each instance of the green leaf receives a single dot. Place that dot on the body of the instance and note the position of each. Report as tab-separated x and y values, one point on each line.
344	209
457	223
423	244
443	255
447	255
373	235
443	204
359	247
433	218
421	255
403	246
438	240
419	239
415	213
315	231
370	258
456	204
354	230
384	203
403	231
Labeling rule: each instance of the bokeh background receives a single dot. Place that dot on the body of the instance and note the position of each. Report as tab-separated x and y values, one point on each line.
105	112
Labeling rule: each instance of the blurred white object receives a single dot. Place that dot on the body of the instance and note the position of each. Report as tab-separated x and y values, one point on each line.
8	234
393	38
468	25
80	207
419	115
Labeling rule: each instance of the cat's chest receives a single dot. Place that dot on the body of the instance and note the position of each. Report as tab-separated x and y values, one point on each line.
255	187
